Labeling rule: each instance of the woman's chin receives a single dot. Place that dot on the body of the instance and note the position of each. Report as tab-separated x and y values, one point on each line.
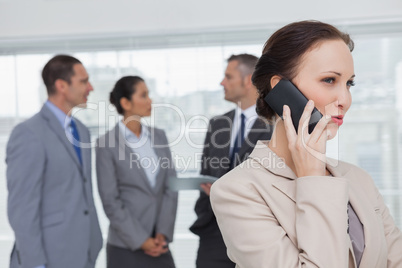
332	130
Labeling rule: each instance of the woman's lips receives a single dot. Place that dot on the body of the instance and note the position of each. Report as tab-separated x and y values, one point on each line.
338	119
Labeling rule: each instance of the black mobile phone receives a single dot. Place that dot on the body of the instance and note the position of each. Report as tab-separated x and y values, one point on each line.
286	93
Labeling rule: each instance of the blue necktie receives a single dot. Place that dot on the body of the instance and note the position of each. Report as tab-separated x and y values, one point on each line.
238	142
76	141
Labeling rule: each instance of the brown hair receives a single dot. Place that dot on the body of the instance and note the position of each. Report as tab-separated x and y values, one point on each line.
59	67
124	88
283	53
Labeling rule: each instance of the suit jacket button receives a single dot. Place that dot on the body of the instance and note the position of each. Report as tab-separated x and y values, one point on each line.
86	212
85	180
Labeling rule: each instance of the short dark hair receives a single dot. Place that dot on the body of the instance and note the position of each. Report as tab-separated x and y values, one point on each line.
124	88
59	67
283	53
246	62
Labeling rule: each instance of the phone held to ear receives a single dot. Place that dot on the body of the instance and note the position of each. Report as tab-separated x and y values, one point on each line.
286	93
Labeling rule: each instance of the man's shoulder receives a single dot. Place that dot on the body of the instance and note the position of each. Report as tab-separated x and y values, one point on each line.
223	117
34	123
229	114
27	131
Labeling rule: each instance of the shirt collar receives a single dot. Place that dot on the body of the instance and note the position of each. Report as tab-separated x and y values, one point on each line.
128	134
64	119
248	113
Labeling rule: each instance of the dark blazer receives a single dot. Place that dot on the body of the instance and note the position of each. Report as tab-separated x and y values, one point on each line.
216	162
50	203
135	208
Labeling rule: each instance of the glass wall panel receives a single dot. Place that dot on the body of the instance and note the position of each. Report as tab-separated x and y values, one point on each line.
185	88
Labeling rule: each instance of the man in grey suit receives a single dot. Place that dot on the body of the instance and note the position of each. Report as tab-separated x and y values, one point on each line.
50	203
230	139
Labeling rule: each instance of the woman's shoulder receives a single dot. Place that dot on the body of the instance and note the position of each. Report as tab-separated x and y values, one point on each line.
158	135
350	170
249	174
155	130
107	136
252	174
358	177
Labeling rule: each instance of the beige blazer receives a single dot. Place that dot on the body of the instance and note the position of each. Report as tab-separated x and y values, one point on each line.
270	218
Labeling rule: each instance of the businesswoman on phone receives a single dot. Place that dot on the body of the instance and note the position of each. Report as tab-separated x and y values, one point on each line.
288	205
133	162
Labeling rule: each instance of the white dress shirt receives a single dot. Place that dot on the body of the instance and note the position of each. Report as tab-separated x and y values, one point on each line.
142	147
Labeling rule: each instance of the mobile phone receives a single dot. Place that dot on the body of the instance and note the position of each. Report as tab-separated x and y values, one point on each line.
286	93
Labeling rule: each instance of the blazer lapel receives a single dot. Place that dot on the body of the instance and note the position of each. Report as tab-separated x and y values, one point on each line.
86	151
60	133
357	197
127	154
159	151
367	216
270	161
257	132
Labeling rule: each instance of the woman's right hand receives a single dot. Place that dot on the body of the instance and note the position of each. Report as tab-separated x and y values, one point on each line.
150	247
154	246
307	150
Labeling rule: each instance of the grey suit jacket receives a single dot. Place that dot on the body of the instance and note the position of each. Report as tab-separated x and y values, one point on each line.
50	203
216	162
134	208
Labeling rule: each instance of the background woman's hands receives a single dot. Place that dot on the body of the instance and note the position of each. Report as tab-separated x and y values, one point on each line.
307	150
155	246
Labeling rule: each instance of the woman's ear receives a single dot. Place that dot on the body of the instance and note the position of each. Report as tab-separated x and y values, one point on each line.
275	80
125	104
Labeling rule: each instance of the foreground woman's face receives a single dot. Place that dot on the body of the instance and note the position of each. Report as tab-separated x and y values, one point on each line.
325	76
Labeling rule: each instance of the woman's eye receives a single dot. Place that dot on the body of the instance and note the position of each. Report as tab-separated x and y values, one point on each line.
329	80
351	83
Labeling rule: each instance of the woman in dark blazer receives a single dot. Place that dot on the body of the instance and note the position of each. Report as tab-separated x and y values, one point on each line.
133	162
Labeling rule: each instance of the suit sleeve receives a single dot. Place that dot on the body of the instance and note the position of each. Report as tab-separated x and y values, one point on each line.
205	158
203	204
255	238
129	229
26	160
167	215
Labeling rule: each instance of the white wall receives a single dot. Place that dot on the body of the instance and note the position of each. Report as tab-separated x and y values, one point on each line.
36	18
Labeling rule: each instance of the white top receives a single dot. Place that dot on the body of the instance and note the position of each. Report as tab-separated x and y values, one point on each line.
142	147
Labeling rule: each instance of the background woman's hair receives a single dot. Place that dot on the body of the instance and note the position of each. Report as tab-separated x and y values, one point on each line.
283	53
124	88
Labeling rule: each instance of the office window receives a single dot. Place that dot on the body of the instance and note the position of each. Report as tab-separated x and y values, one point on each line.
184	84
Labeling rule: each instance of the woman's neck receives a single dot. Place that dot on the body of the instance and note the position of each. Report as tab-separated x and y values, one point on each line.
279	144
133	123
